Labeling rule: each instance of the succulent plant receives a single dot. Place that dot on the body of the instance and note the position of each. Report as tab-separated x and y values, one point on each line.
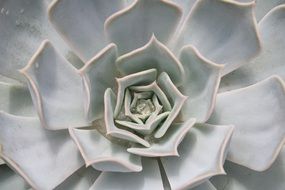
148	94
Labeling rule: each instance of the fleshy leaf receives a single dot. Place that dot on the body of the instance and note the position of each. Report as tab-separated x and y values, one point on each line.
264	6
127	107
132	27
37	154
241	178
111	129
141	78
99	74
151	122
154	55
202	154
56	89
224	32
186	5
257	112
81	179
205	186
82	24
153	87
148	178
147	128
102	154
16	99
176	99
201	83
11	180
271	59
128	2
23	26
168	144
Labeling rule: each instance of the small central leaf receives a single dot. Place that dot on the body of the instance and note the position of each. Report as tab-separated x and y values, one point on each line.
143	108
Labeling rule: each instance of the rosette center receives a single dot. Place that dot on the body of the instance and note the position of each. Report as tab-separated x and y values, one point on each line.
143	108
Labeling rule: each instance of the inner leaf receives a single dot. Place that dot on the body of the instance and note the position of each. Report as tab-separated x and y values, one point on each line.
142	107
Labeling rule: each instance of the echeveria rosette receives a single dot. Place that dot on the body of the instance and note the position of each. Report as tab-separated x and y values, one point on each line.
136	110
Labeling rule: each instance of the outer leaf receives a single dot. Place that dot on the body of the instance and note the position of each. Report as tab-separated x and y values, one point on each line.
23	26
257	112
271	59
16	99
10	180
37	154
99	74
223	31
201	83
264	6
132	27
205	186
82	24
148	178
56	89
103	154
202	154
241	178
186	5
82	179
